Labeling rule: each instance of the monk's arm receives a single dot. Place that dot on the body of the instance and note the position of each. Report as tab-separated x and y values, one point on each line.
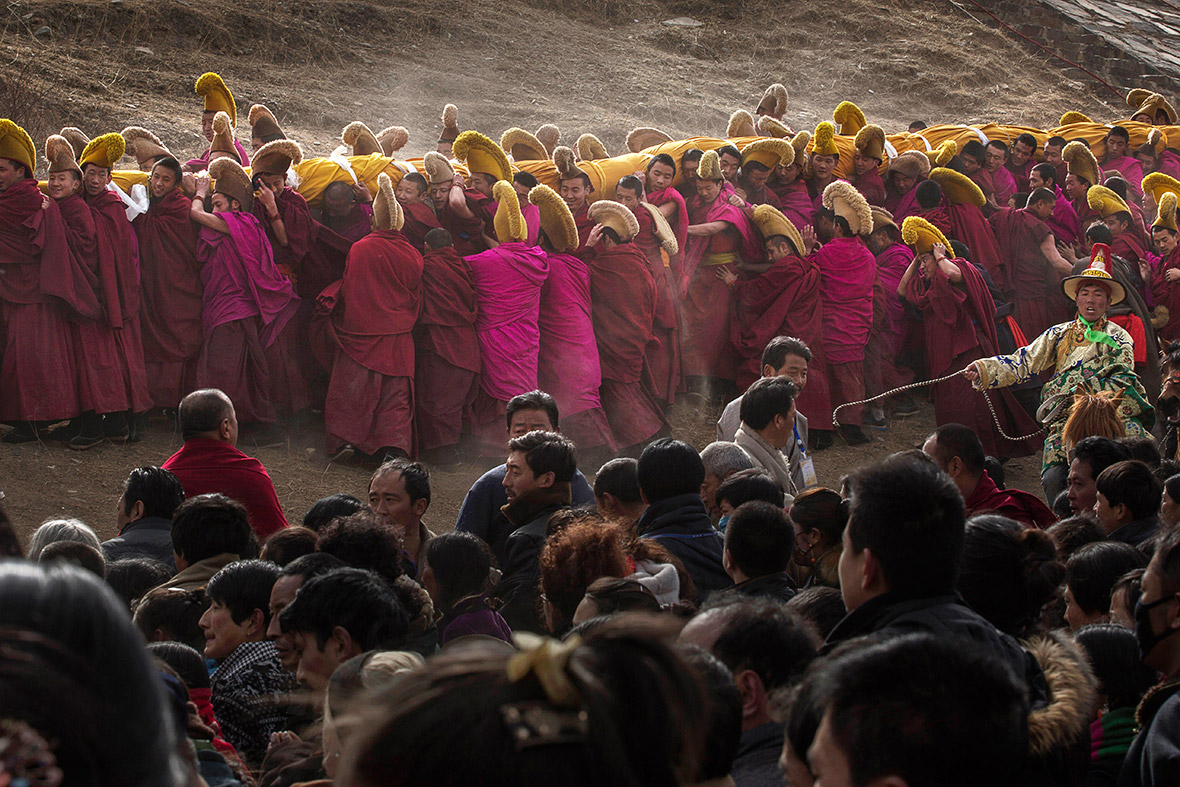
458	202
1059	263
210	220
708	228
905	278
668	209
273	216
951	270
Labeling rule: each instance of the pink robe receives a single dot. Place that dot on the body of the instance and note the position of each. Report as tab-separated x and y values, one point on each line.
871	186
679	225
1169	163
1064	221
1131	171
848	271
796	203
904	205
1004	185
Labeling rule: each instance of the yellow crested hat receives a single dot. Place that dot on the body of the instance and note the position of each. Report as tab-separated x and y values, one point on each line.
768	126
223	137
1097	273
1080	162
264	123
77	139
1105	201
361	139
217	97
709	167
509	221
845	201
60	155
644	137
481	154
774	101
590	148
1146	102
438	168
870	141
1157	184
850	117
882	218
800	142
392	139
770	222
1167	212
1071	117
921	236
824	141
741	124
549	135
275	158
942	155
958	188
144	146
231	180
523	146
615	215
557	222
450	123
769	153
387	213
104	151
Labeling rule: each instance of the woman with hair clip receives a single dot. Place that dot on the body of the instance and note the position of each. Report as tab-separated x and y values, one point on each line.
819	516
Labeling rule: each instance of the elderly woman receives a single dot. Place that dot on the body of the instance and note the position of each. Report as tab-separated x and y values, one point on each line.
1089	351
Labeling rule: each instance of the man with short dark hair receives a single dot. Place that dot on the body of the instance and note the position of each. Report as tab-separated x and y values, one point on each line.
209	461
670	477
1064	219
399	493
1022	158
1127	502
291	577
338	615
208	533
538	472
412	193
1053	148
150	496
959	453
768	427
529	412
616	490
688	172
1118	142
1090	457
249	674
759	539
1003	184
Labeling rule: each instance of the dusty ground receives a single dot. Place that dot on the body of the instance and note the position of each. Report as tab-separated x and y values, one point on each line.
43	481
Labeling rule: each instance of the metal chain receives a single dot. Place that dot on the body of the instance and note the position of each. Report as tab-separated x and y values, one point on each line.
911	386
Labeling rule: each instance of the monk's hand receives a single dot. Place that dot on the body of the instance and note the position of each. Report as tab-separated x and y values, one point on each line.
736	200
939	251
458	181
44	202
595	235
809	238
267	198
201	185
726	275
361	192
1172	274
971	373
1066	252
641	175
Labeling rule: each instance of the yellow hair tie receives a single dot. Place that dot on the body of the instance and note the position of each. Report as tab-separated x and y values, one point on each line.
546	659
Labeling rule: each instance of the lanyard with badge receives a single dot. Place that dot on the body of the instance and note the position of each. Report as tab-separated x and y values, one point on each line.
805	464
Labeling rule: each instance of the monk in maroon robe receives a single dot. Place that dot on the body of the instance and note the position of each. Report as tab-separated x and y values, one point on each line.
791	190
890	321
623	302
1034	277
446	349
661	170
419	218
1165	279
347	211
170	303
370	401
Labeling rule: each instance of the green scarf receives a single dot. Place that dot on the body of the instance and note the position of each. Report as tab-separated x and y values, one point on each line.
1097	336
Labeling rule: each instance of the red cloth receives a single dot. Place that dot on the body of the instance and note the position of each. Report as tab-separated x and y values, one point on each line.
37	366
170	303
584	224
354	225
662	376
1003	185
370	410
444	396
847	273
118	260
1020	174
1064	221
871	186
902	205
759	196
1131	323
205	465
1130	170
310	264
960	328
679	224
969	226
1129	247
783	301
1012	503
939	217
419	220
1169	163
796	203
446	325
1032	283
1167	293
847	381
234	360
466	234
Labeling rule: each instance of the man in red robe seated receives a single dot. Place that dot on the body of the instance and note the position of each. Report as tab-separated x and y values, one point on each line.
568	366
209	460
1063	222
661	367
446	351
118	266
718	234
508	281
781	300
959	318
246	301
170	275
1118	143
866	164
217	97
370	402
848	272
623	301
466	227
101	388
959	453
39	286
347	210
411	192
1034	265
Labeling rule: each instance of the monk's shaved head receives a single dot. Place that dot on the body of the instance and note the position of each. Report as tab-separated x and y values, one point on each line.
203	411
339	191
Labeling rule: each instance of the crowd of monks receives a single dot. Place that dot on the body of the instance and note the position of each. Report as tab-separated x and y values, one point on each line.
410	308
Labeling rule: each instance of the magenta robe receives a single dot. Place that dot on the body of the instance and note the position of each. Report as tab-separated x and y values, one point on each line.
796	203
1064	221
848	271
1131	171
904	205
202	163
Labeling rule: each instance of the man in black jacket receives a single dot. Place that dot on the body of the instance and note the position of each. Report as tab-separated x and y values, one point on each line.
759	542
150	495
539	469
670	477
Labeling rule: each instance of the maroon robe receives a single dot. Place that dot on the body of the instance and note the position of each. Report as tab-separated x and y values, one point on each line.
419	220
1033	285
101	387
960	328
662	374
938	217
890	323
796	203
1020	174
902	205
1086	214
848	273
679	224
370	401
982	178
760	196
623	302
446	350
1128	246
969	226
118	260
871	186
466	234
584	224
39	287
170	298
352	226
1012	503
1064	221
783	301
1167	294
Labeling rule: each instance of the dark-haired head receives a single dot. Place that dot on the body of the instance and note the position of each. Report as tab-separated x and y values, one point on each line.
172	615
328	508
822	607
208	413
209	525
1090	575
530	412
75	553
668	468
285	545
759	540
1008	572
364	540
723	726
457	566
131	577
243	588
746	486
150	492
187	663
612	595
1113	654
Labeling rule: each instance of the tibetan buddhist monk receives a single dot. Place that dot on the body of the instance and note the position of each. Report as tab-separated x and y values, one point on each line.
1063	222
1165	280
246	300
789	186
575	189
825	157
118	265
218	98
890	321
1118	159
568	366
661	171
905	172
959	318
488	164
1021	158
759	160
1034	266
1082	174
508	281
466	229
101	389
347	210
523	183
866	164
170	274
848	272
412	191
1116	215
370	401
446	351
623	301
662	372
964	202
1003	184
689	163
